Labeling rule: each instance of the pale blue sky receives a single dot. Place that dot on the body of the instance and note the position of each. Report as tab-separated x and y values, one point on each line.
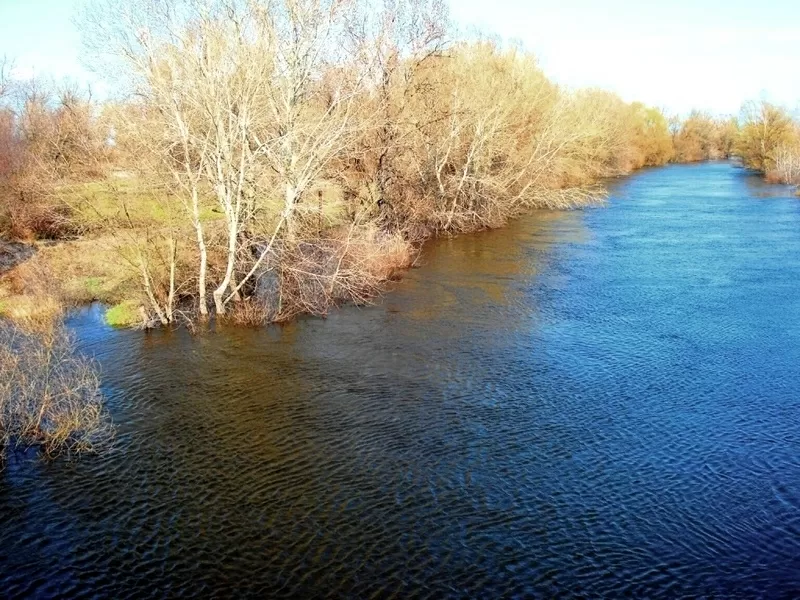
678	54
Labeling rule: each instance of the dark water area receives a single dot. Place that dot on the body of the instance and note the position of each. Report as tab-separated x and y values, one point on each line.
600	403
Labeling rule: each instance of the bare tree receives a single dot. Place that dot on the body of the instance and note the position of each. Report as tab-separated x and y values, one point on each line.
311	101
198	71
8	150
396	40
765	128
239	91
5	76
787	164
411	33
249	108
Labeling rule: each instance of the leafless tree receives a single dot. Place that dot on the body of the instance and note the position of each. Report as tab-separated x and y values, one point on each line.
5	76
398	38
243	104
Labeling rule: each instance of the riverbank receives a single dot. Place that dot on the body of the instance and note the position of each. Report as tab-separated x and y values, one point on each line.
343	264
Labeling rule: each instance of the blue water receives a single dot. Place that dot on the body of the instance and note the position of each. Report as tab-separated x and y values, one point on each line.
600	403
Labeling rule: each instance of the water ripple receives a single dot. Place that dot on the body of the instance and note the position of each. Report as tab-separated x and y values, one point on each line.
596	404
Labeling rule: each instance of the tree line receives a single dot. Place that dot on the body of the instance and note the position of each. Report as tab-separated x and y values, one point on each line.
765	137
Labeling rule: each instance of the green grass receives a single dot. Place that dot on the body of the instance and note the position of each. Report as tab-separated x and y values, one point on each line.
103	287
125	314
98	203
94	286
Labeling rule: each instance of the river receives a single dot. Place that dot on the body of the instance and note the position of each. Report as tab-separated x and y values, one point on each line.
592	403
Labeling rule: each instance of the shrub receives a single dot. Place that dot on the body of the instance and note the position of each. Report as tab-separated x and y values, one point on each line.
698	138
311	274
787	165
49	395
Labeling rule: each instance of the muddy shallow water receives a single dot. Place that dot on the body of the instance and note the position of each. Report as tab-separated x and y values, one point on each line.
594	403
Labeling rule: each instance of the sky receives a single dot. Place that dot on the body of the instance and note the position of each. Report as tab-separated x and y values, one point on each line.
40	37
674	54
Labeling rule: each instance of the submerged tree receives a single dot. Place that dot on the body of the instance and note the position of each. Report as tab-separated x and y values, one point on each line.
49	395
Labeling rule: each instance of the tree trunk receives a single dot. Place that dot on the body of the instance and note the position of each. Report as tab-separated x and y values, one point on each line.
219	293
290	200
201	245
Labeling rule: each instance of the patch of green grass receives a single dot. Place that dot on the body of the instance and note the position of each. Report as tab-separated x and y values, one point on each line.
99	202
94	286
125	314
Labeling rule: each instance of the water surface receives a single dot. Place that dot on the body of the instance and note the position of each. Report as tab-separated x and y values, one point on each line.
584	404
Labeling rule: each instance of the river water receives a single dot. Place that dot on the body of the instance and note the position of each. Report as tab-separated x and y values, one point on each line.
593	403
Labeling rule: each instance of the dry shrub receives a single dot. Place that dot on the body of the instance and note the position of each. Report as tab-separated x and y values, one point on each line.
58	129
33	313
36	277
49	395
699	137
347	266
478	135
248	312
30	295
727	136
10	150
787	166
310	275
48	136
340	165
38	219
650	136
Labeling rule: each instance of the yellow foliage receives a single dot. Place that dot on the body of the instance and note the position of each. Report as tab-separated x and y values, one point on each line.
700	137
766	128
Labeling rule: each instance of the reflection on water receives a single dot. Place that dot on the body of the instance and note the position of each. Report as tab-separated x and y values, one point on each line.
592	403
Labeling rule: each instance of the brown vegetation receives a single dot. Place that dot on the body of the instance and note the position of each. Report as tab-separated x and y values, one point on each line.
701	137
292	139
787	165
279	158
49	395
48	136
769	141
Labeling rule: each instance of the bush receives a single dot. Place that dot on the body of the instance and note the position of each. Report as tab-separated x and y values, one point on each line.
124	314
701	137
312	274
787	166
49	395
48	135
38	219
